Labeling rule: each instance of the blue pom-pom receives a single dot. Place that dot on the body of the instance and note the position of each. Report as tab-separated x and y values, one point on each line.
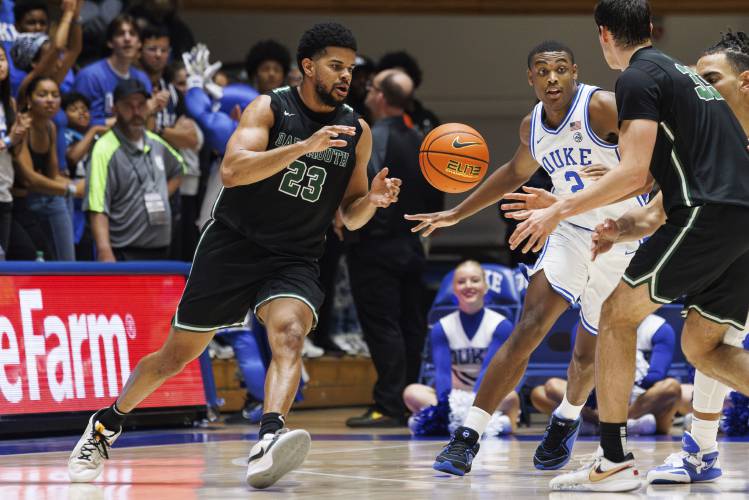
432	420
736	416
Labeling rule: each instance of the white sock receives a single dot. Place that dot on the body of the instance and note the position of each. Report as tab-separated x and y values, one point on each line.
567	410
477	419
705	432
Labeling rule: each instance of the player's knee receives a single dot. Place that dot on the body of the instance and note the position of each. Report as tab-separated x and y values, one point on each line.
410	392
170	364
616	319
554	386
672	387
694	349
526	337
289	334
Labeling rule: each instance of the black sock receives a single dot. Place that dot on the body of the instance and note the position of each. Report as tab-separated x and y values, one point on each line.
112	417
270	423
614	441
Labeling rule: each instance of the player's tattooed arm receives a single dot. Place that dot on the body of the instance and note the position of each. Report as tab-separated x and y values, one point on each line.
505	179
361	200
247	161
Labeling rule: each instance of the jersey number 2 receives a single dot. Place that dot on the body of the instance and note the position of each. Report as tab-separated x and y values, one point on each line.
295	175
572	176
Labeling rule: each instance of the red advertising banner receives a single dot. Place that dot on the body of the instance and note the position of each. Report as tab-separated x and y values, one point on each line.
69	343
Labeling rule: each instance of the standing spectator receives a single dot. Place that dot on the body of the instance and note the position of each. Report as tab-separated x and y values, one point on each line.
79	138
39	169
386	260
179	131
132	174
98	80
163	12
357	94
32	16
95	17
267	65
11	133
8	31
416	115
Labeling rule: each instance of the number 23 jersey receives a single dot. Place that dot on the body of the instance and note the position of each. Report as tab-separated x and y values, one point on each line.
565	151
289	212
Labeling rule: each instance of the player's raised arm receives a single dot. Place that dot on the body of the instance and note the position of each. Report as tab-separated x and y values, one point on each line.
246	160
362	200
505	179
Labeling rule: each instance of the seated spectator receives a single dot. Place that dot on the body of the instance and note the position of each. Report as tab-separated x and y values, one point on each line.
32	16
38	168
463	343
655	397
131	176
98	80
79	137
267	65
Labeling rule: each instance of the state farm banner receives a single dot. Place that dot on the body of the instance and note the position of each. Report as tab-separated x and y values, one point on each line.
69	343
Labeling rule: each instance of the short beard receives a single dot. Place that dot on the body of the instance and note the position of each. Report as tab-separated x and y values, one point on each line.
325	97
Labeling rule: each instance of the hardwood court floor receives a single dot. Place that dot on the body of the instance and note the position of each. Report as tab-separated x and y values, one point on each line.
187	464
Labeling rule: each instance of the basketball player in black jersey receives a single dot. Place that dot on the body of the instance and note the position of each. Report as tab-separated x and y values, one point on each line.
677	128
297	156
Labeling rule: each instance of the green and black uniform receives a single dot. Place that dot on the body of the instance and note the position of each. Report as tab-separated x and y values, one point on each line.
701	163
264	239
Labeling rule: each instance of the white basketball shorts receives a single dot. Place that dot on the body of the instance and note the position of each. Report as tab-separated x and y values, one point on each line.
566	262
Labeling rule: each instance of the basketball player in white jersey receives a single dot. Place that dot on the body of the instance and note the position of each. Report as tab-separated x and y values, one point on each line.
572	128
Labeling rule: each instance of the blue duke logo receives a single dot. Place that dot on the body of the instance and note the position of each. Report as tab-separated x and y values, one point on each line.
566	157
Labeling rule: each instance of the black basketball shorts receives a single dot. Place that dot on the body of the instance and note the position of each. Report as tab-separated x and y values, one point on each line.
701	254
231	275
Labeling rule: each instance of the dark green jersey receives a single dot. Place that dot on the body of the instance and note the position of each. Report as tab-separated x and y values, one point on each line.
700	156
289	212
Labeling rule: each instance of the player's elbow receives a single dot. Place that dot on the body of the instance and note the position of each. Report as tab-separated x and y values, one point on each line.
228	176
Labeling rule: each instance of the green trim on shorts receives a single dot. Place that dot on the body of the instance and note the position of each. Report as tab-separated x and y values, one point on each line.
715	319
652	277
286	295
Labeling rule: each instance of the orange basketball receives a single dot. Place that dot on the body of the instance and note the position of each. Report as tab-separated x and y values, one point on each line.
454	157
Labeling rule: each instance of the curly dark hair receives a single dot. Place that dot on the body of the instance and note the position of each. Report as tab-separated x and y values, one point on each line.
550	46
267	50
735	45
405	61
319	36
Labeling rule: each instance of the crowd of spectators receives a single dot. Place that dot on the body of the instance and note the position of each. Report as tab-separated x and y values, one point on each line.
100	155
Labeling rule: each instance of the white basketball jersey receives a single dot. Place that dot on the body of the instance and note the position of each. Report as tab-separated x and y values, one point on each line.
645	333
467	355
564	152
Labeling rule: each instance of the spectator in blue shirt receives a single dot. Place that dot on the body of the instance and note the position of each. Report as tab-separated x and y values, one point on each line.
32	16
98	80
463	344
8	32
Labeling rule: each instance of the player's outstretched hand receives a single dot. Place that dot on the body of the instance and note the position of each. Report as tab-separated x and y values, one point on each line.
384	190
327	137
532	199
535	229
430	222
604	236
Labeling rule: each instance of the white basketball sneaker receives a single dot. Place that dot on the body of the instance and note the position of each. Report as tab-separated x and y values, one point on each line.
600	475
86	462
275	455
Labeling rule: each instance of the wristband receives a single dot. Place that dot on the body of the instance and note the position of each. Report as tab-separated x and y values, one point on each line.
71	190
6	141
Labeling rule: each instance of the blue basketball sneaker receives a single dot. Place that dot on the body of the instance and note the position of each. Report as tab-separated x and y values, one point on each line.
690	465
555	449
456	457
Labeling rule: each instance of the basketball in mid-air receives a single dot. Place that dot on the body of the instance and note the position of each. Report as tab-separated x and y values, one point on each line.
454	157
